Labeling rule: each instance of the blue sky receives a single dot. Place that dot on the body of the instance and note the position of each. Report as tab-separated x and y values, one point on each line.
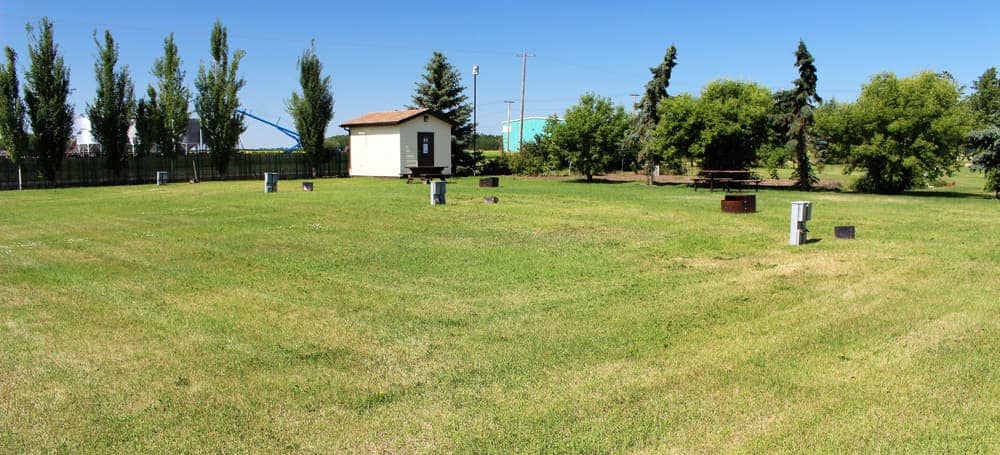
376	50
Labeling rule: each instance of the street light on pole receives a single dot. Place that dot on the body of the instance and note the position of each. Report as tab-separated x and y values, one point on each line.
475	125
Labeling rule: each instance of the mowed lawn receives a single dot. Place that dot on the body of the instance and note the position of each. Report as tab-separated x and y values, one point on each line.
570	317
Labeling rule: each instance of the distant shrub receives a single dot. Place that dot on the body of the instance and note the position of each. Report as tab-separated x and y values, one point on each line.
535	158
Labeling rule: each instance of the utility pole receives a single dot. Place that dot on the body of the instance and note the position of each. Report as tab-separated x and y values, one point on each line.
524	71
475	126
635	100
506	143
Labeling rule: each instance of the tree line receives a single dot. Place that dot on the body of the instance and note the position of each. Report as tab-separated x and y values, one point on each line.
38	125
902	133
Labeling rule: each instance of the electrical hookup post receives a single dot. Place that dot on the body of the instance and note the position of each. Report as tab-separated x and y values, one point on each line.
797	231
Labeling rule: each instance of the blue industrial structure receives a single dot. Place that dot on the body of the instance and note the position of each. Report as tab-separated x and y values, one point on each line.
290	133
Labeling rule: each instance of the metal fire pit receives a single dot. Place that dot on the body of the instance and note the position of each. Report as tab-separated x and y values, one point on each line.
739	203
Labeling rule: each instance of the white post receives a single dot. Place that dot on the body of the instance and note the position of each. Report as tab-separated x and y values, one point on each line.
270	182
20	184
797	231
437	193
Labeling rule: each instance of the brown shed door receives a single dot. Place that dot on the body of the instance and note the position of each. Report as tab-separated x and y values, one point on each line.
425	149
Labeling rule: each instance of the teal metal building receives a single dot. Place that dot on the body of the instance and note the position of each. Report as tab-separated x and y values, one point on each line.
533	127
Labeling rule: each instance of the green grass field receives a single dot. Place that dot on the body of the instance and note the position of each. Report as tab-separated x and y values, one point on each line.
570	317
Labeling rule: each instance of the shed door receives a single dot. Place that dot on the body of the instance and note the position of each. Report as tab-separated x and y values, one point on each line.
425	149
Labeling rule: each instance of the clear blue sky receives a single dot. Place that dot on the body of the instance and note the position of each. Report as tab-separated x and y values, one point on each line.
376	50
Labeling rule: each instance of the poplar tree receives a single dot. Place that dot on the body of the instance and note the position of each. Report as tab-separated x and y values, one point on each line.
441	90
648	115
13	133
218	86
313	109
802	99
45	93
172	100
148	124
114	107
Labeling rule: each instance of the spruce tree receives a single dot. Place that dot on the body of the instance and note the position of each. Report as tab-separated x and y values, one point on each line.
173	99
114	107
648	115
802	100
441	90
13	132
985	100
218	86
45	93
313	109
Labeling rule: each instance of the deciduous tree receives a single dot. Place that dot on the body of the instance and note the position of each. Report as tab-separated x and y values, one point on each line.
313	109
218	87
172	99
907	132
46	92
114	106
735	118
678	130
148	124
591	135
13	130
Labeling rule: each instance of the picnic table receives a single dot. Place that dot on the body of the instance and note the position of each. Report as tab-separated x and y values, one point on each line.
425	173
726	179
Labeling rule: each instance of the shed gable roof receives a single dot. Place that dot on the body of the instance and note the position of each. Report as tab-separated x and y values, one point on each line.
393	117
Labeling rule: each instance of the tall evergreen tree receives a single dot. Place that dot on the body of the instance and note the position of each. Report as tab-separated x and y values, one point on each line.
441	90
985	144
648	115
13	131
173	99
114	107
802	99
985	101
218	87
45	93
313	109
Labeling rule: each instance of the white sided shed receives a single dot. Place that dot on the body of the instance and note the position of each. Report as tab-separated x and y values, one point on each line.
387	144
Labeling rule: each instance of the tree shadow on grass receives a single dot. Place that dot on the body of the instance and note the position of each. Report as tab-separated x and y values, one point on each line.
598	180
670	183
947	194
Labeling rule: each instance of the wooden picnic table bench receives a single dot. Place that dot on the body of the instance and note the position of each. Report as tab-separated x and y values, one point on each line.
727	179
425	173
